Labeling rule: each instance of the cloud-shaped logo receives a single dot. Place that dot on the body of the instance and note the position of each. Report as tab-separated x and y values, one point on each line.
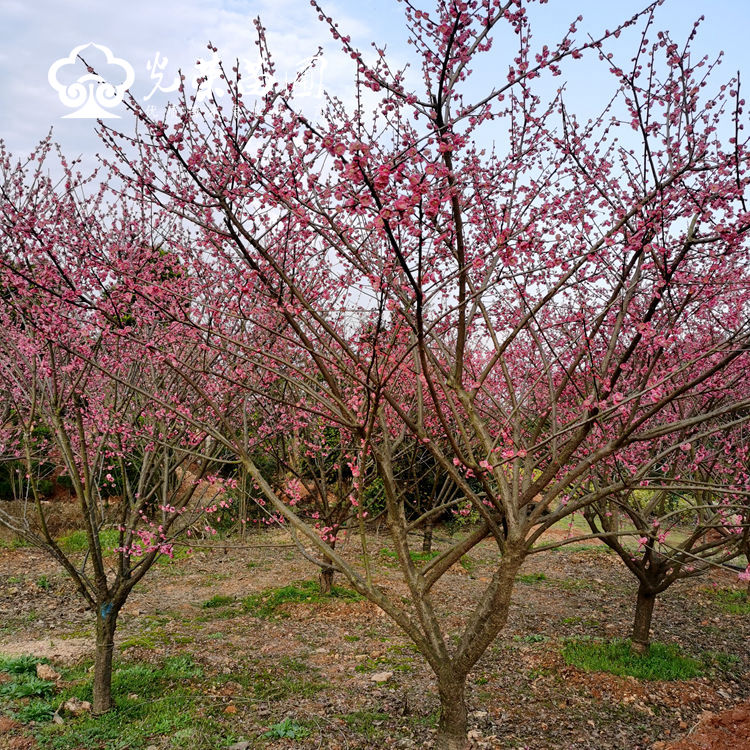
91	95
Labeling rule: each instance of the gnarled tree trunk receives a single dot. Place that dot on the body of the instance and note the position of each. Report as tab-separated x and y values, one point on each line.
452	725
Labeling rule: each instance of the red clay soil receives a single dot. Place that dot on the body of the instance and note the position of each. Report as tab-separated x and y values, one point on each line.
728	730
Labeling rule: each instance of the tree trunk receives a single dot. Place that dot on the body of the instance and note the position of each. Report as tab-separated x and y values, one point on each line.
427	537
451	734
644	609
326	580
106	622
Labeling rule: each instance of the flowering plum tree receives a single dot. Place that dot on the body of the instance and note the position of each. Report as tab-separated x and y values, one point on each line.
696	518
535	314
73	394
530	314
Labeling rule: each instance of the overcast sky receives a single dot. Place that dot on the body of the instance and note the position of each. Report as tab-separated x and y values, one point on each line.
36	33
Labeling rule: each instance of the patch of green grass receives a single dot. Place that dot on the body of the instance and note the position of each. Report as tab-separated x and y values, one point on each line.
295	665
20	664
287	729
531	638
408	649
24	684
573	584
663	662
77	541
270	684
391	556
366	724
14	543
151	702
38	711
179	552
399	659
27	686
424	556
531	578
427	720
275	681
722	661
154	632
467	563
24	689
146	679
577	620
218	601
146	641
732	601
267	603
44	583
533	674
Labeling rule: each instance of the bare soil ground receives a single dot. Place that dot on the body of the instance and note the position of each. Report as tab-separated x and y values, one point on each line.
522	693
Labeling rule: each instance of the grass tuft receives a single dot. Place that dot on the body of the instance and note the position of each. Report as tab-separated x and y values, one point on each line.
150	702
287	729
367	724
77	541
267	603
27	686
732	601
531	578
20	664
718	660
663	662
218	601
391	556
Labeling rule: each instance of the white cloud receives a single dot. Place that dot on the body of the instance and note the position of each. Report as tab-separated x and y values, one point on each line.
34	35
